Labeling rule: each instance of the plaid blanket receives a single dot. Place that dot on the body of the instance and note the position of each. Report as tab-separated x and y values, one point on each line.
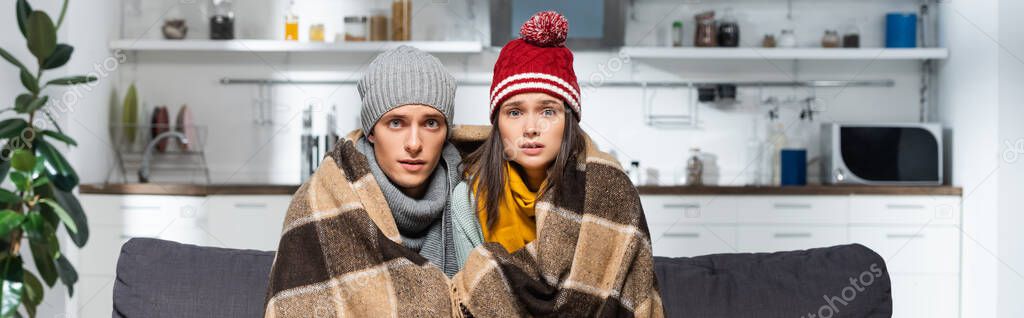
340	252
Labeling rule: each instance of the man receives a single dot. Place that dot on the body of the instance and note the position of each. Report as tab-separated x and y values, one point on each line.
372	232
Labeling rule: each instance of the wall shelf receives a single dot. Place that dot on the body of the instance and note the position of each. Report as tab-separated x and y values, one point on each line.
757	53
275	46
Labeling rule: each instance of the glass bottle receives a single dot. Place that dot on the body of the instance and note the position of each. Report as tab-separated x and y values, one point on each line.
694	168
706	32
728	30
677	33
401	20
291	23
222	22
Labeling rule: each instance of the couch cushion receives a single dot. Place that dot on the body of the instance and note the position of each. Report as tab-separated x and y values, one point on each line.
839	281
157	278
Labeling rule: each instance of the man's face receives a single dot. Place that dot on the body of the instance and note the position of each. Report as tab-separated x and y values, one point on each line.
407	142
531	127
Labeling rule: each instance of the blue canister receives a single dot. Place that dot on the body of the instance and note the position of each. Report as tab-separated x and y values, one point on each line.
900	30
794	167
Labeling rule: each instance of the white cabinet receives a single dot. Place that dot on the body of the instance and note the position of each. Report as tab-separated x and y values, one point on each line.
917	236
247	221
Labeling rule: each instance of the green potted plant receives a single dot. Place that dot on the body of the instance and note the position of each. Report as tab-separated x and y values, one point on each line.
41	200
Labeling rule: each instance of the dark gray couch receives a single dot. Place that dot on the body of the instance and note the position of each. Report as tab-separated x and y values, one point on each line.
158	278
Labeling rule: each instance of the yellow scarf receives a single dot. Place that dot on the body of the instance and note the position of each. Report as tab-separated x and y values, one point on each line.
516	225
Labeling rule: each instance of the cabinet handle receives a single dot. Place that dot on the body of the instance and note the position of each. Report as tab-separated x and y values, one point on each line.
682	206
683	235
904	207
904	236
793	206
139	207
250	205
792	235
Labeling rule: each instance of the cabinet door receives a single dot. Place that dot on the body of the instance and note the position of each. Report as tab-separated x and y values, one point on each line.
777	238
925	296
879	209
247	221
174	218
793	209
693	240
913	249
679	209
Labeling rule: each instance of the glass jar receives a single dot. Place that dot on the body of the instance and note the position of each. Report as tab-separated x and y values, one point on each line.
728	30
706	32
851	36
787	39
222	22
769	41
355	29
694	168
316	32
830	39
401	20
378	25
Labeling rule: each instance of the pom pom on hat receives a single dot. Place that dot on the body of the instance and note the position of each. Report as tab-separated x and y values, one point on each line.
545	29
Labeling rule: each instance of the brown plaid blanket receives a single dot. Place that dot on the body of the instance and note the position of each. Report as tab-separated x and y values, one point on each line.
340	252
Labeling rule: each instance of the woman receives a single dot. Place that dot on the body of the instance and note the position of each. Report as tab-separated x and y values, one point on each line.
564	231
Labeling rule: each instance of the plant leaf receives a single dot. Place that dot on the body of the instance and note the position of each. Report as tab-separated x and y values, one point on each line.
72	80
42	35
64	217
10	58
70	203
40	181
36	104
23	9
60	137
8	197
58	169
61	55
5	166
33	295
23	160
21	102
10	220
12	286
29	81
39	234
68	274
20	180
12	127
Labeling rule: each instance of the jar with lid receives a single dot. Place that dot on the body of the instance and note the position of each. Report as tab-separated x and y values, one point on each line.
706	32
316	32
378	25
768	41
355	28
222	22
694	168
830	39
728	30
401	20
787	39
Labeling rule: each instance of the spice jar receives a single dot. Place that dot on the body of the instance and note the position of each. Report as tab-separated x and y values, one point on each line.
378	25
769	41
222	22
355	29
694	168
706	33
830	39
787	39
728	30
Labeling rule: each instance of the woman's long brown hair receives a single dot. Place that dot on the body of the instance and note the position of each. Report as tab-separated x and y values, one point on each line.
486	166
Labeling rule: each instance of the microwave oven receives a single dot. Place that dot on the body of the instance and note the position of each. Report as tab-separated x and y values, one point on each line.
881	154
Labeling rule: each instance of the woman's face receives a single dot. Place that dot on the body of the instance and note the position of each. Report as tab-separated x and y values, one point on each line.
531	127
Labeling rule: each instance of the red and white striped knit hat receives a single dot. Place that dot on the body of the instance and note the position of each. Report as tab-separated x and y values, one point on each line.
537	62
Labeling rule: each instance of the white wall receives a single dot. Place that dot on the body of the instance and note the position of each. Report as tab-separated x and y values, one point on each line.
612	115
1011	173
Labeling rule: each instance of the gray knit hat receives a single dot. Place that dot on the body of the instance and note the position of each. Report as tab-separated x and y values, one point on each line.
402	76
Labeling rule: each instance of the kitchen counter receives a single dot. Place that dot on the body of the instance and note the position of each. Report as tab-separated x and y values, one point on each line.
802	190
270	189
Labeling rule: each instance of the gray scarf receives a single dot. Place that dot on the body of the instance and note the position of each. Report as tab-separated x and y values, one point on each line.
424	224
